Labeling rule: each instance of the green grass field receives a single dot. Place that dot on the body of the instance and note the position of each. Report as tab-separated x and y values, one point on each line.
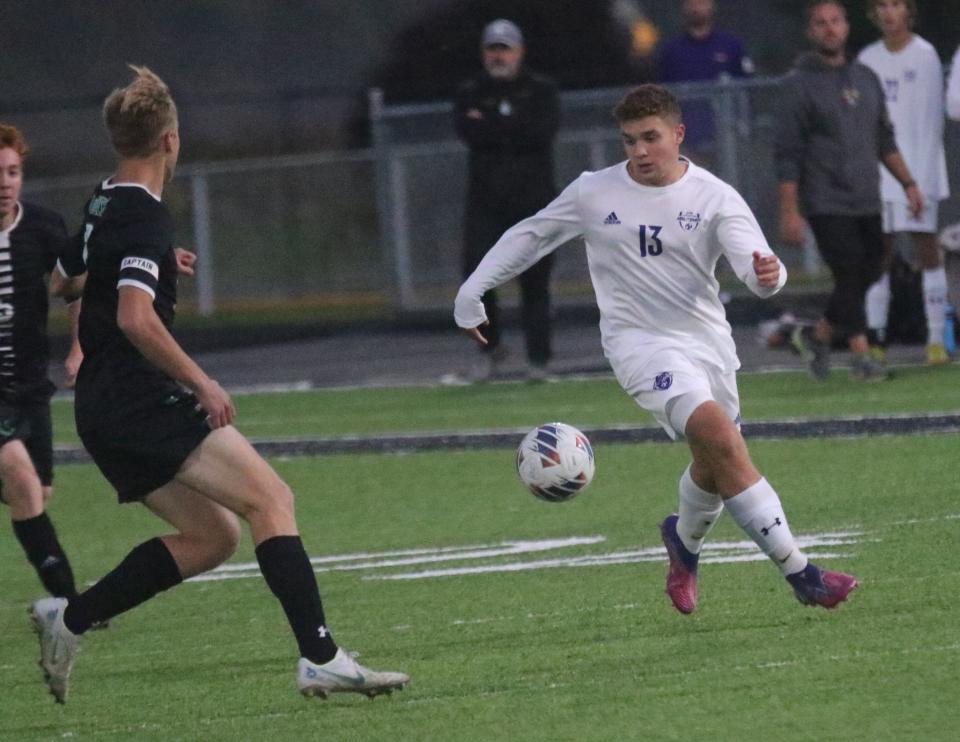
585	403
521	644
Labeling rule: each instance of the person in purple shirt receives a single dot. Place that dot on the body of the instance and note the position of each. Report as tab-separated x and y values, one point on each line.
701	53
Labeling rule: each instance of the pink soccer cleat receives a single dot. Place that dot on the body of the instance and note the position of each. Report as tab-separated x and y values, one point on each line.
682	575
815	586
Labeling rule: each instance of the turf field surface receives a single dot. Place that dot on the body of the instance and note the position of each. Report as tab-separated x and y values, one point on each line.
531	621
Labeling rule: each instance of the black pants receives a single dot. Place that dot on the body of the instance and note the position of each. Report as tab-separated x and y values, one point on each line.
484	226
852	247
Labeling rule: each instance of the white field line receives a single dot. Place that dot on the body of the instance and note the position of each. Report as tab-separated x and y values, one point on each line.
918	521
375	560
716	552
521	545
585	561
720	552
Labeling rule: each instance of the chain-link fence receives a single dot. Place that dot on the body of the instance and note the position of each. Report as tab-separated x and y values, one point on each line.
385	223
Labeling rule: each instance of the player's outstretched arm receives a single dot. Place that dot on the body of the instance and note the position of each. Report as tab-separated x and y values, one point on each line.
519	248
138	320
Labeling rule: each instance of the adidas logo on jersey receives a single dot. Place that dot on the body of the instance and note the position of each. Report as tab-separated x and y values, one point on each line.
611	218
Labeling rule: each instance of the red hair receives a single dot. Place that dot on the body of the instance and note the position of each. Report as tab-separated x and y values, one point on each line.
12	137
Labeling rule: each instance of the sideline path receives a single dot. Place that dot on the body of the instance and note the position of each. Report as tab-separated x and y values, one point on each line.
427	357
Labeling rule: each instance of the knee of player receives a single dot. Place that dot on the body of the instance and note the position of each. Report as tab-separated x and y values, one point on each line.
726	444
231	537
711	430
223	540
20	485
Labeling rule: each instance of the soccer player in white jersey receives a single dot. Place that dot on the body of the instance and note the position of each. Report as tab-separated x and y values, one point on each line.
950	236
953	87
912	78
654	228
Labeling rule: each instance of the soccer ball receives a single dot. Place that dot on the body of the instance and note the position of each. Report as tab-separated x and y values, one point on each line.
555	461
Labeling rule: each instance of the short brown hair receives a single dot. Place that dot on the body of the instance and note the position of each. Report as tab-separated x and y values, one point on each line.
812	5
911	10
647	100
137	116
12	137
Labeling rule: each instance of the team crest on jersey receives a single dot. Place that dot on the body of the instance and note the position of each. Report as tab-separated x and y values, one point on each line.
98	206
910	75
688	220
851	96
663	381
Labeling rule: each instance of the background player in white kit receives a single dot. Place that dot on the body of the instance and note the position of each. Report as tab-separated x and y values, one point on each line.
953	87
912	78
654	228
950	236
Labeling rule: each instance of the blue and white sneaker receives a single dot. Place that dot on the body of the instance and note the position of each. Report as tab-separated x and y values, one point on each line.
343	674
682	575
58	645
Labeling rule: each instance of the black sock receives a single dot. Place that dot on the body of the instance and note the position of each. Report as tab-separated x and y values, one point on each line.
38	538
147	570
286	568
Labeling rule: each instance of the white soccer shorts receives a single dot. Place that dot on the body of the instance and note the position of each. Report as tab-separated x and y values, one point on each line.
655	379
897	218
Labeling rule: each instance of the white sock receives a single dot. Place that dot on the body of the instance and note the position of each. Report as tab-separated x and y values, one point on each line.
757	510
878	306
935	303
699	511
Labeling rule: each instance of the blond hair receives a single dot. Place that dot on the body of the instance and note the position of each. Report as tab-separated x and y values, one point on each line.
138	115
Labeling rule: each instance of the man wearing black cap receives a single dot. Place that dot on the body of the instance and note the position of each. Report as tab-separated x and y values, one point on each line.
508	118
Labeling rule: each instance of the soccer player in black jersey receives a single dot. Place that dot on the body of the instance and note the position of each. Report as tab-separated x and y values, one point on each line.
160	429
30	240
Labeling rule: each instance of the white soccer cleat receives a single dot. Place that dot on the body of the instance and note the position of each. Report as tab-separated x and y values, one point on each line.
58	645
343	674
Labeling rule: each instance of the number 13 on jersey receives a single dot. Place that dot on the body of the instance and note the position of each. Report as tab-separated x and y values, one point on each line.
650	244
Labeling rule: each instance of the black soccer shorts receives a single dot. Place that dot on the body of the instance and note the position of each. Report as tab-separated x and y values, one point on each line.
31	424
142	452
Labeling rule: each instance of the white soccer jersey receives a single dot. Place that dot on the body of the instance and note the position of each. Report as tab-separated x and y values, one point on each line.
912	79
953	88
652	254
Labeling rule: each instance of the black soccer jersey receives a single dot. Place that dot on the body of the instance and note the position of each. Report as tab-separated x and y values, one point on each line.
28	252
126	240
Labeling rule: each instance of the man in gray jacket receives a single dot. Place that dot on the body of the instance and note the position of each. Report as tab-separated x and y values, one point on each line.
833	128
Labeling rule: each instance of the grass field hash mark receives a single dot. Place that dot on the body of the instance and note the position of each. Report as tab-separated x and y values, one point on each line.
405	557
827	545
